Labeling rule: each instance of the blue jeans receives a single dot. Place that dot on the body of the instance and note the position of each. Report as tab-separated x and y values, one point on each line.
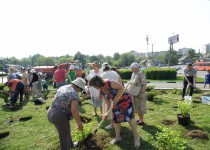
59	84
19	89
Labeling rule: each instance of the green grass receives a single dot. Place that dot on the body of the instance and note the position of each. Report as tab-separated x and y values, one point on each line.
39	134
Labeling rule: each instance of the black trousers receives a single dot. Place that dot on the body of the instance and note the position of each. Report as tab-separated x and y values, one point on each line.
18	90
185	83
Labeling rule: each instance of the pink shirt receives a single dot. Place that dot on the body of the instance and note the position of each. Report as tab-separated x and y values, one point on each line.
59	75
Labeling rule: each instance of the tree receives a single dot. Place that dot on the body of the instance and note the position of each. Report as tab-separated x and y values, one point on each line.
191	53
173	58
116	56
48	61
81	57
126	59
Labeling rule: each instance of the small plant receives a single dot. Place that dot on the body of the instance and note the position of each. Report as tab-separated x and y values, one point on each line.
151	94
45	94
149	88
198	90
80	135
2	86
176	91
5	95
184	107
169	139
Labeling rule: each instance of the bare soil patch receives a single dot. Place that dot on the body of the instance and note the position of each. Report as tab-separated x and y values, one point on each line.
198	134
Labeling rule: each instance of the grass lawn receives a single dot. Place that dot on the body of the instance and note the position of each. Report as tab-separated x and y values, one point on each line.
39	134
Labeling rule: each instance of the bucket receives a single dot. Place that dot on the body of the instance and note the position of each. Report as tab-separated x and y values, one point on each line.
205	100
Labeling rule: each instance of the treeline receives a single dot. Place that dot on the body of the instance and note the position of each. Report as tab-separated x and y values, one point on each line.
117	60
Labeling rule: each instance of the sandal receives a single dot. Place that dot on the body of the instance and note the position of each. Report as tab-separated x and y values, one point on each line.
115	141
140	123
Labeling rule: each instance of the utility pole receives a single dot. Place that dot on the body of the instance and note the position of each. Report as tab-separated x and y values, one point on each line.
152	51
147	55
147	40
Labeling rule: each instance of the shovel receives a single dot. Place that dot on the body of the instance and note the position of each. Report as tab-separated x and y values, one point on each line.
89	136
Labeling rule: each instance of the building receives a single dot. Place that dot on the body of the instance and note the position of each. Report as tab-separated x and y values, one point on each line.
137	54
206	49
183	51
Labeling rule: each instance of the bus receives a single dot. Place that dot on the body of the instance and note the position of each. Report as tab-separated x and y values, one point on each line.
202	66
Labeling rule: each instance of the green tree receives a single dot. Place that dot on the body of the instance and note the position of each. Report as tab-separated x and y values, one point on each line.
81	57
48	61
116	56
173	57
126	59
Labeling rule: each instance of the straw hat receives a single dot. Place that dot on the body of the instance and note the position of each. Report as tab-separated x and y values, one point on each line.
79	82
71	67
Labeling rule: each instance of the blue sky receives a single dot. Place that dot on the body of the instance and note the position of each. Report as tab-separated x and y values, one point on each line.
59	27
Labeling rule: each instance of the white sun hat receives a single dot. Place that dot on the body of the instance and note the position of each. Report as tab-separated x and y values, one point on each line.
134	65
104	65
71	67
80	82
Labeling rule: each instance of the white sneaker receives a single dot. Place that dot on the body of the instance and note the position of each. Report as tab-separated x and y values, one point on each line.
137	142
115	141
109	127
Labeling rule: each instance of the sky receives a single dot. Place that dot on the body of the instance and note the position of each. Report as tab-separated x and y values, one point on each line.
60	27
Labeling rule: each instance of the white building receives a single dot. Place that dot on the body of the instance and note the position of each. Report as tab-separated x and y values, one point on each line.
183	51
206	49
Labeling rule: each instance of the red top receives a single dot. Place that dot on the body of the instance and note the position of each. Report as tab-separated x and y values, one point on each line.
59	75
12	84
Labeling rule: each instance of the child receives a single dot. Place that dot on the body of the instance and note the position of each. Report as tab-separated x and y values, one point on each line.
207	79
44	85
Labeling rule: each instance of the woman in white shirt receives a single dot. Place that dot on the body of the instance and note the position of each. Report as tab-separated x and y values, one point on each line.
109	74
94	93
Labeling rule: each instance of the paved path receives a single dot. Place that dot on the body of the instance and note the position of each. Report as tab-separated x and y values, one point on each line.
177	85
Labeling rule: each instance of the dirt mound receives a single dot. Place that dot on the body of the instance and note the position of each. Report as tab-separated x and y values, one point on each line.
168	122
198	134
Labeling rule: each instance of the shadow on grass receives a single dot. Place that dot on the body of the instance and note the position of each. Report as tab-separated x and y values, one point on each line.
150	129
159	101
128	139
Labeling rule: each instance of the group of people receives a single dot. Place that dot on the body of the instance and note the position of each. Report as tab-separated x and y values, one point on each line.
107	93
62	76
31	81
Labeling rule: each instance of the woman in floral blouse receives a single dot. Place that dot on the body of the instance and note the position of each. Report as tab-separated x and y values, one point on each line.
66	103
122	108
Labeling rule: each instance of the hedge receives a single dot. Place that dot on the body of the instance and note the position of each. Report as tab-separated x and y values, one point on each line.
4	74
151	73
160	73
125	73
